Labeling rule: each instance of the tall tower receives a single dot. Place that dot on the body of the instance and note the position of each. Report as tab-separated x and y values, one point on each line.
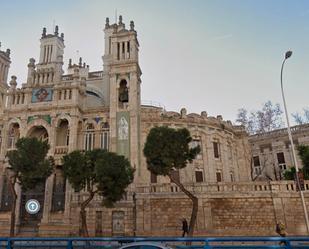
49	68
5	62
122	72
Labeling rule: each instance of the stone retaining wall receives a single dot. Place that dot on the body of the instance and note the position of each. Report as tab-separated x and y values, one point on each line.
224	209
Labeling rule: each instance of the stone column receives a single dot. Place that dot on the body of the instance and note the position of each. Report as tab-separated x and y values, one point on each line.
18	204
1	186
211	176
225	162
113	112
68	194
73	143
48	198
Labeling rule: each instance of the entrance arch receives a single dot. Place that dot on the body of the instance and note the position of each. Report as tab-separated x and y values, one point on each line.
39	132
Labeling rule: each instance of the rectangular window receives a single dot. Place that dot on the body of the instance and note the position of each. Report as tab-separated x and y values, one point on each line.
199	176
280	157
89	141
232	177
104	140
128	49
194	144
118	50
68	137
257	170
219	176
109	45
256	161
216	149
153	178
281	161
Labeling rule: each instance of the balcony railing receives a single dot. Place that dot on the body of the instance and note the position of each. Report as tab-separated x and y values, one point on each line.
239	187
61	150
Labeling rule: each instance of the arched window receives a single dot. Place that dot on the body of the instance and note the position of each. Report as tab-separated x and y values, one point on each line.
123	94
63	133
104	136
13	135
89	137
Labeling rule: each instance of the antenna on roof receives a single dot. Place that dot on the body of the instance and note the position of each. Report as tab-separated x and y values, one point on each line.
116	16
54	23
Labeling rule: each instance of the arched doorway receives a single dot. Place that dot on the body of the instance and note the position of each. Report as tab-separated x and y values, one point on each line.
30	221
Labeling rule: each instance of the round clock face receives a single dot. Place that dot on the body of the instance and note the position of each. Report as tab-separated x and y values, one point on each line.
41	94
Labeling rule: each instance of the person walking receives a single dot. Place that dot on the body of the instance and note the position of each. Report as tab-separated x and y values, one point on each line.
280	229
185	229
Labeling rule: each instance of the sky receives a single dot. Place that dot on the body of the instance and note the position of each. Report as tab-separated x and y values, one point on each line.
204	55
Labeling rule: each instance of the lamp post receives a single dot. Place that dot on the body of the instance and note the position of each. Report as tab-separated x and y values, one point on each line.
288	55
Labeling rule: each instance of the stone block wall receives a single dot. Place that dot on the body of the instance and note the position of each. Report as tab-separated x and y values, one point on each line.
227	209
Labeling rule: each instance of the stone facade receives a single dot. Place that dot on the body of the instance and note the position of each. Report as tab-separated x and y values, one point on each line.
272	153
82	110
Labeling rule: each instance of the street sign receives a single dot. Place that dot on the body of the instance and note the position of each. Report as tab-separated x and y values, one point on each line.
32	206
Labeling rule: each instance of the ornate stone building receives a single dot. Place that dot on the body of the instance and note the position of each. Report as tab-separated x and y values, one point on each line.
82	110
272	153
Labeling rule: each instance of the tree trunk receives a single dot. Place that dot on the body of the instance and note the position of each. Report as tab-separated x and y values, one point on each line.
84	230
194	200
12	182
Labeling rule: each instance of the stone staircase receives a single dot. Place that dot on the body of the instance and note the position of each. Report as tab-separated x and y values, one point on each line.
28	230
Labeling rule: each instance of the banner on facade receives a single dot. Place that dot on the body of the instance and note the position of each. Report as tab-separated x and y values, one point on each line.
42	95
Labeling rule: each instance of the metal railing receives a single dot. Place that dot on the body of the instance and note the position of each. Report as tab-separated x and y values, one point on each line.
170	242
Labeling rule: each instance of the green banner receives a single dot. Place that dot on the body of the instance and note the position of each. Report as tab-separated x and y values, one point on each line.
123	134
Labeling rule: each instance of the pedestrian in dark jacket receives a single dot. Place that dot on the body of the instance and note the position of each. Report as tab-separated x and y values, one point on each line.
280	229
185	228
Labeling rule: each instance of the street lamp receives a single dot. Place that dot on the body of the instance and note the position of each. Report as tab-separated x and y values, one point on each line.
288	55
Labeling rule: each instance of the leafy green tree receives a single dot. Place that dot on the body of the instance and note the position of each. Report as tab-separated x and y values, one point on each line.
29	167
303	152
289	174
97	172
167	150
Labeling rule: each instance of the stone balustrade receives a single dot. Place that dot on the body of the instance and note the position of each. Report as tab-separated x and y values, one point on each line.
67	77
61	150
203	188
281	132
96	74
240	187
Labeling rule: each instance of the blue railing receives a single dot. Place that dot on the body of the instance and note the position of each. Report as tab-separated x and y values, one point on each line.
171	242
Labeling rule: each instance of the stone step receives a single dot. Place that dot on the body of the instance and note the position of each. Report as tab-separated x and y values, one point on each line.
28	231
